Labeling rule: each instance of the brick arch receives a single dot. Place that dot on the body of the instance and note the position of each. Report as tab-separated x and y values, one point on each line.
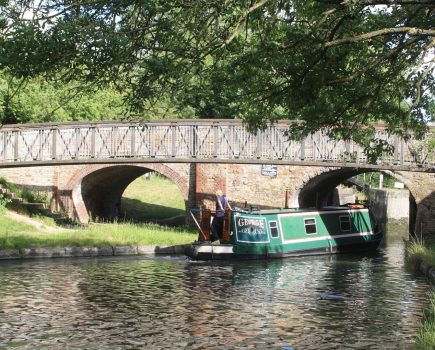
421	188
316	190
322	182
80	204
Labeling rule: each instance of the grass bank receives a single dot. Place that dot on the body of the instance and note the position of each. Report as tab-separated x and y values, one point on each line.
418	252
153	199
426	338
156	198
34	233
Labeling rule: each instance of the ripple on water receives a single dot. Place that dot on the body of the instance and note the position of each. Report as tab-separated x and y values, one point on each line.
163	303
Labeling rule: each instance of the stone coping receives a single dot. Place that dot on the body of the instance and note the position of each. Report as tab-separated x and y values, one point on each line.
66	252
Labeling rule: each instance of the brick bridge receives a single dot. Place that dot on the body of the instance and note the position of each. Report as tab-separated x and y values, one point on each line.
86	167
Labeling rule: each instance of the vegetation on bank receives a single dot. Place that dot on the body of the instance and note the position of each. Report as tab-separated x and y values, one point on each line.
426	337
27	195
372	179
19	234
152	197
418	252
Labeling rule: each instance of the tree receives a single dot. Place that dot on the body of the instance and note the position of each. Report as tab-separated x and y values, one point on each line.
340	64
37	101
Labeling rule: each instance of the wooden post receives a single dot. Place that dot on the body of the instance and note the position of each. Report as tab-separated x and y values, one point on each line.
41	144
215	139
54	143
5	144
258	145
77	132
174	139
16	135
133	140
113	141
93	136
195	141
401	151
396	149
151	140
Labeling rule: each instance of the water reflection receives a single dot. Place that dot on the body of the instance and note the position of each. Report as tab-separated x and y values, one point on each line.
159	304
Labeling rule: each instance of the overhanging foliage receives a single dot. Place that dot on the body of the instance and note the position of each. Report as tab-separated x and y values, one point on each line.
340	64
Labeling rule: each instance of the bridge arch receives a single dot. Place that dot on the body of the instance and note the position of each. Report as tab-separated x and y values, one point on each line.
316	191
319	189
97	189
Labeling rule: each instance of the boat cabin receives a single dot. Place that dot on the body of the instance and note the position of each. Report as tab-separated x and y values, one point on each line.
289	232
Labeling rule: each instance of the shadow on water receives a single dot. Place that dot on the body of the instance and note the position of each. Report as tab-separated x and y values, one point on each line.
395	231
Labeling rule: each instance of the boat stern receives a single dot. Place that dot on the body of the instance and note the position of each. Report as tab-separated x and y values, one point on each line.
209	251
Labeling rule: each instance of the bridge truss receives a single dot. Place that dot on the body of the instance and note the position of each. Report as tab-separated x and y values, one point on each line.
220	141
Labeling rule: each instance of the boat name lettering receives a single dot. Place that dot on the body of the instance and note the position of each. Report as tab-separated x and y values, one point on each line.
250	222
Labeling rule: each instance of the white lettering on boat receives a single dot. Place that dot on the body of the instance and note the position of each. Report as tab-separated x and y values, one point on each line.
250	222
251	226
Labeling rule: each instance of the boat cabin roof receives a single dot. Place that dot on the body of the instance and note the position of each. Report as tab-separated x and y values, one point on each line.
295	210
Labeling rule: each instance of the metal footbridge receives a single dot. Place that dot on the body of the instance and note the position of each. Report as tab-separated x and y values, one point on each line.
206	141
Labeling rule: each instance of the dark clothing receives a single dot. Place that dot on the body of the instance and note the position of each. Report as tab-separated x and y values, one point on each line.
217	227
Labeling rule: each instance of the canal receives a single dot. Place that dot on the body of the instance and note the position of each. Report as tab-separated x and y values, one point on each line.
333	302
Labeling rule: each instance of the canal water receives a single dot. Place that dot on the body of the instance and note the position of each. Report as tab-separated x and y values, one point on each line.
332	302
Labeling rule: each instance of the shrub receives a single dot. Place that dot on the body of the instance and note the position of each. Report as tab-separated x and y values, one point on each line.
4	201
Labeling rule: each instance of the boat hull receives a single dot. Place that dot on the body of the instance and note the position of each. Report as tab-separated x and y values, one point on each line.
208	251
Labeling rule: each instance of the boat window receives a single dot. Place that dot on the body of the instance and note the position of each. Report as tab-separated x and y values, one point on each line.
345	223
273	229
310	226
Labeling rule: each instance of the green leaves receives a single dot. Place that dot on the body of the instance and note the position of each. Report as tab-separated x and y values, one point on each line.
336	64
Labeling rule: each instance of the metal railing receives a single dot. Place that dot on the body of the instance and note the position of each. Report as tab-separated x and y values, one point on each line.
224	141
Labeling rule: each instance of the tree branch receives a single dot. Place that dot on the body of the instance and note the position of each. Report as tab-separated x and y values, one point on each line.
380	2
242	20
423	55
374	63
419	84
386	31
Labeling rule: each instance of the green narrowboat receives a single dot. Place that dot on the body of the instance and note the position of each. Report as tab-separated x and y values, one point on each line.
262	234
